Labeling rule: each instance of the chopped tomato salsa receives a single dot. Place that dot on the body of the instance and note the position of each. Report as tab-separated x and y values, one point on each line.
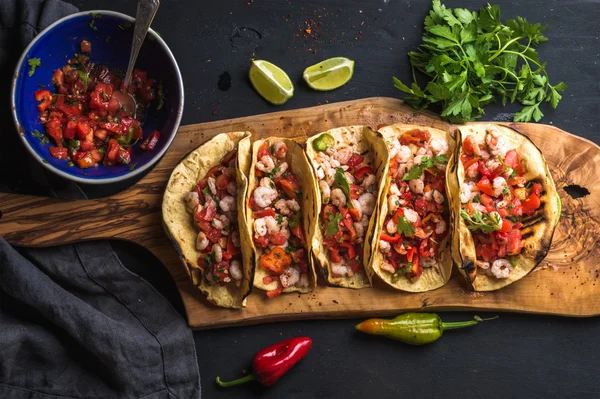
86	124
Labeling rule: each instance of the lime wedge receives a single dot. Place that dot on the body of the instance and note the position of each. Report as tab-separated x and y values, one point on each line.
329	74
271	82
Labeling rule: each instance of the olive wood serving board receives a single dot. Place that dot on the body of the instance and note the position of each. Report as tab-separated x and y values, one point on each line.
566	283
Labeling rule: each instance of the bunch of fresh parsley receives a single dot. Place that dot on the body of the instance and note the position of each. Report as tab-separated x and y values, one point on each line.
472	58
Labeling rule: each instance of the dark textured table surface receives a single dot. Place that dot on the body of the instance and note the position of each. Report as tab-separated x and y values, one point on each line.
514	356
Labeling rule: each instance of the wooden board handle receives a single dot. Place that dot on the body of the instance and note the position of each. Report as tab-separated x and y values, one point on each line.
39	221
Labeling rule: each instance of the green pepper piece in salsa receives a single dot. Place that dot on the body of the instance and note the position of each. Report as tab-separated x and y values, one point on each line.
323	142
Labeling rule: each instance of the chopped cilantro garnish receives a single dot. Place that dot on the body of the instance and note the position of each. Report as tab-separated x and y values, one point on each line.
487	222
125	25
132	167
417	170
476	198
161	97
206	190
33	63
279	219
333	225
405	227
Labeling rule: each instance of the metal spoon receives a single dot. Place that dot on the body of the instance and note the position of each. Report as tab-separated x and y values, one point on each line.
146	10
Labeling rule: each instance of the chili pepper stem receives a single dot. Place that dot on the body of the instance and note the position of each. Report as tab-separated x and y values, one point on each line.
239	381
461	324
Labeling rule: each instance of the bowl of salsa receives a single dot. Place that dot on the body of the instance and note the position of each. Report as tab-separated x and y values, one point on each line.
65	107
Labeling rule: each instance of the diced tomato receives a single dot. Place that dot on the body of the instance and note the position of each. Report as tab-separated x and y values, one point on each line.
261	241
470	146
334	254
415	136
484	170
355	213
146	91
328	211
252	204
96	156
355	265
355	160
506	226
207	213
273	293
263	150
86	145
124	156
263	213
86	161
486	200
348	224
298	232
365	170
388	238
101	134
230	250
355	191
139	76
222	182
485	186
421	206
278	238
86	47
42	95
54	129
350	250
517	181
512	159
59	152
69	110
290	185
100	97
536	189
111	152
69	130
213	234
515	243
58	77
83	129
531	203
424	248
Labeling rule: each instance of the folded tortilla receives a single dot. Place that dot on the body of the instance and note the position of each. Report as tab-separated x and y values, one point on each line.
300	167
179	223
432	277
538	228
366	141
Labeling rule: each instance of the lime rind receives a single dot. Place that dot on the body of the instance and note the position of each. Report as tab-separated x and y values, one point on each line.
271	82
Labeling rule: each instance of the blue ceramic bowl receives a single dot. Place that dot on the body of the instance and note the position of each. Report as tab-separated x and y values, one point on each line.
110	35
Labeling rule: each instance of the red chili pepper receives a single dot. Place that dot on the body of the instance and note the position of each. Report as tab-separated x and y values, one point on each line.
150	142
272	362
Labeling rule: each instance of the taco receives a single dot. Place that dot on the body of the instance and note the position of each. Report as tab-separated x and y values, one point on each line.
506	206
348	164
280	209
411	245
200	216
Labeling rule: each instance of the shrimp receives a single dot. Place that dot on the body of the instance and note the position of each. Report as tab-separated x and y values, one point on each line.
266	164
364	220
266	182
411	215
338	198
470	146
325	191
192	200
478	207
404	154
280	150
485	155
342	155
212	185
220	222
235	269
350	178
260	227
473	170
416	186
384	246
286	207
440	226
498	184
438	145
501	268
229	171
282	168
201	241
367	203
391	227
232	188
360	230
274	227
369	181
497	143
289	277
388	267
235	239
264	196
483	265
492	164
394	147
338	269
393	203
465	193
218	252
427	262
228	204
438	197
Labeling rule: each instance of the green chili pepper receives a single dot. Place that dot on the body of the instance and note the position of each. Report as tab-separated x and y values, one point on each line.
323	142
128	138
414	328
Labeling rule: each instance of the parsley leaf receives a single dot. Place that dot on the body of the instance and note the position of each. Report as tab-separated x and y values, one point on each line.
333	225
417	170
341	182
405	227
486	222
472	58
33	63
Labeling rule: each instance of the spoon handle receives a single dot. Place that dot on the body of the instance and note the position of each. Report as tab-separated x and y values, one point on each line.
146	10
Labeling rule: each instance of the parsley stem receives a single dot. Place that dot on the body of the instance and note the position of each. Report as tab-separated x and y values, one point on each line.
500	51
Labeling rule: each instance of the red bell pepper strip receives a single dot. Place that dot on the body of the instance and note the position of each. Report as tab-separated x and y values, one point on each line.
150	142
389	238
272	362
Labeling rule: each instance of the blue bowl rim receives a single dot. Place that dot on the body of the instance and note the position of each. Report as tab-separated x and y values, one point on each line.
101	180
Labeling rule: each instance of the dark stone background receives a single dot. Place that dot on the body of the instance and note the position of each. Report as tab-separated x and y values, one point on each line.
514	356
